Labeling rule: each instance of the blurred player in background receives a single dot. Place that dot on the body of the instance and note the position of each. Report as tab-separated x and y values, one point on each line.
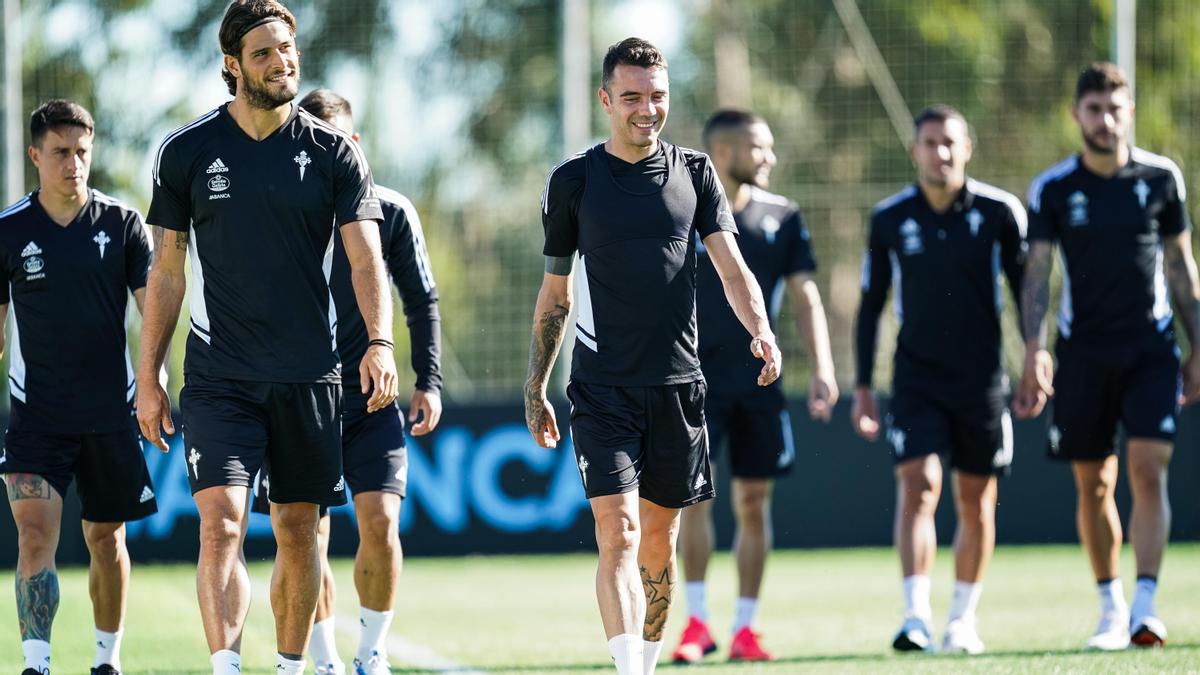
775	243
374	458
1120	218
632	207
942	246
70	256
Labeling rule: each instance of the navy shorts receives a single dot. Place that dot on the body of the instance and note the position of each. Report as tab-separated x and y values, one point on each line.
649	439
757	428
232	428
975	432
109	470
1095	389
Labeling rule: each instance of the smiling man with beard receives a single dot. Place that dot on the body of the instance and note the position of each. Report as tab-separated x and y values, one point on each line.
631	208
251	193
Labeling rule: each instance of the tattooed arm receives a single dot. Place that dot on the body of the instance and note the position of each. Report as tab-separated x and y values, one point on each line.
549	318
165	288
1180	270
1038	376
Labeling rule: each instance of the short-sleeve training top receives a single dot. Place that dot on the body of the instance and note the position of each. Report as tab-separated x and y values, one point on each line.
634	227
775	244
1110	231
261	217
69	368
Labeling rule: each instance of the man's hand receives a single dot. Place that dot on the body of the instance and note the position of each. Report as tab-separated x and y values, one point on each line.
763	347
154	413
864	414
377	372
539	417
1191	378
429	406
822	395
1037	384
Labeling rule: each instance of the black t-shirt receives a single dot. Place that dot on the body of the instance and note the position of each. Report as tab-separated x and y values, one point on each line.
69	368
634	226
1110	231
944	271
408	263
775	244
261	216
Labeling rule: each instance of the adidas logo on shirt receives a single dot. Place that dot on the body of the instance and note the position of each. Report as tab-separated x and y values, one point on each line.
1168	425
217	167
31	249
147	495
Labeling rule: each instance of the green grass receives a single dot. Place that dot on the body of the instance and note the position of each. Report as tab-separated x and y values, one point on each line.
825	611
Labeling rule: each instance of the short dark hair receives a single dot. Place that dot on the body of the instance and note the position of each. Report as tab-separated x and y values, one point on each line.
631	51
938	112
241	17
1100	76
728	119
58	112
326	104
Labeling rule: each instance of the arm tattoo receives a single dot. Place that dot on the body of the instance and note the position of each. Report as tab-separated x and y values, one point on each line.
37	603
547	337
1035	294
659	589
181	240
1185	290
159	235
26	486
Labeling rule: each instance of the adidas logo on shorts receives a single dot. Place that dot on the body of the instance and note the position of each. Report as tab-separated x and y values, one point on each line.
701	481
341	485
147	495
217	167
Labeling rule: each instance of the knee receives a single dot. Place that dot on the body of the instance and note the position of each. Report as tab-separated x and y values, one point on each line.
1095	488
37	538
379	530
105	541
617	536
295	524
752	510
219	532
920	495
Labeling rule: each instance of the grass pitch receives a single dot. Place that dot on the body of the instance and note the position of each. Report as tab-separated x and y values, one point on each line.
825	611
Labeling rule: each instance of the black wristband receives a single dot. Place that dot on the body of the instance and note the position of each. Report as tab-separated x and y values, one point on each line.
382	343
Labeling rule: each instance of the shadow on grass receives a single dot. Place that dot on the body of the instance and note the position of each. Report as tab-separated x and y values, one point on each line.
815	659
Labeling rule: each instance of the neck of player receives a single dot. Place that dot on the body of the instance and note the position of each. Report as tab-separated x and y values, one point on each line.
737	192
258	123
62	207
629	152
940	197
1106	164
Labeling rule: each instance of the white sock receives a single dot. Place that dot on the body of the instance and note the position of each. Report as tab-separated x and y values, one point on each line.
744	616
374	631
966	600
916	597
1112	596
650	653
108	649
322	647
286	666
697	602
37	655
226	662
1143	598
627	653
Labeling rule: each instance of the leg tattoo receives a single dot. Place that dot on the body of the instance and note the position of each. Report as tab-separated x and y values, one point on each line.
659	590
26	486
37	602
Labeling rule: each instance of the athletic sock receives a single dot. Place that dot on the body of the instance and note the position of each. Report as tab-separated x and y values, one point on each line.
697	600
286	666
966	600
322	646
627	653
1143	597
374	631
226	662
108	649
1112	596
916	597
37	655
744	615
650	654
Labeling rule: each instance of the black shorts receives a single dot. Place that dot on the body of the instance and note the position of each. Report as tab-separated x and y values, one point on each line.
758	430
374	456
650	439
1094	389
976	434
109	469
232	428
